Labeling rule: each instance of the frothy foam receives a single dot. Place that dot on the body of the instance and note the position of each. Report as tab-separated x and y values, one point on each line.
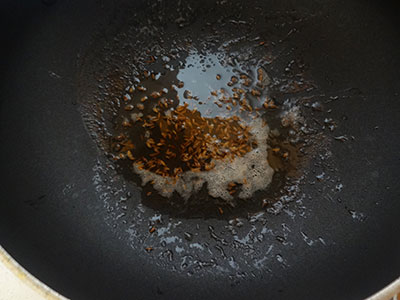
251	170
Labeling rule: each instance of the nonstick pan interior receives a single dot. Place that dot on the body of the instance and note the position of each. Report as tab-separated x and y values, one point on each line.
82	227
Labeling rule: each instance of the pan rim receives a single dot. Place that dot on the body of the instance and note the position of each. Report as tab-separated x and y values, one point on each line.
390	290
21	274
46	292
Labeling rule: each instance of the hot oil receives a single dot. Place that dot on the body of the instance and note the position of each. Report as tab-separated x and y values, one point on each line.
220	78
210	86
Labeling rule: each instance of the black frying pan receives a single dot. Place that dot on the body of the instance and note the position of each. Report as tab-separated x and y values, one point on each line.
73	223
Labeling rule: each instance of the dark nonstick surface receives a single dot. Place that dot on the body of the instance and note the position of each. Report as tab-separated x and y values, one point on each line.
55	222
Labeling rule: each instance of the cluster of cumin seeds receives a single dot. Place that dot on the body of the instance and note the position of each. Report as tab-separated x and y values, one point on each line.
180	139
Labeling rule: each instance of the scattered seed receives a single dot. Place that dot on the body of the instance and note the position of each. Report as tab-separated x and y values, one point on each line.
155	95
126	97
255	92
129	107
